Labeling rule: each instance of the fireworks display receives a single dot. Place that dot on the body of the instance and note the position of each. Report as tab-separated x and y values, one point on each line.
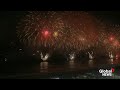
66	31
109	38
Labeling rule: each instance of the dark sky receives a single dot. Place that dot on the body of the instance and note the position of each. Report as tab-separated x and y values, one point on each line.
9	19
108	16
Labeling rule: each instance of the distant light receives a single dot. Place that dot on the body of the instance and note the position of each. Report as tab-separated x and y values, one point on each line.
45	58
20	49
45	32
5	59
116	55
81	38
33	54
55	34
111	38
55	78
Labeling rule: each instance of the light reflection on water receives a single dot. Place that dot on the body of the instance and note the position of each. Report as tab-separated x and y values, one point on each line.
90	63
43	66
75	64
71	64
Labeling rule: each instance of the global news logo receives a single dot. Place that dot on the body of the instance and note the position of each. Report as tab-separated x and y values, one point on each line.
106	72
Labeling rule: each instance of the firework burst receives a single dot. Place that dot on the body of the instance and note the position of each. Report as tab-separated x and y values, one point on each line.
68	31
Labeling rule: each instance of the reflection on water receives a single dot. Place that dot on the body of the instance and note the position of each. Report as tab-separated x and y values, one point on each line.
74	64
43	66
90	63
71	64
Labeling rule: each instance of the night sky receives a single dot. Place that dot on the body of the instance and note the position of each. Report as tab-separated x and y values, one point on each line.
9	19
8	22
108	16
